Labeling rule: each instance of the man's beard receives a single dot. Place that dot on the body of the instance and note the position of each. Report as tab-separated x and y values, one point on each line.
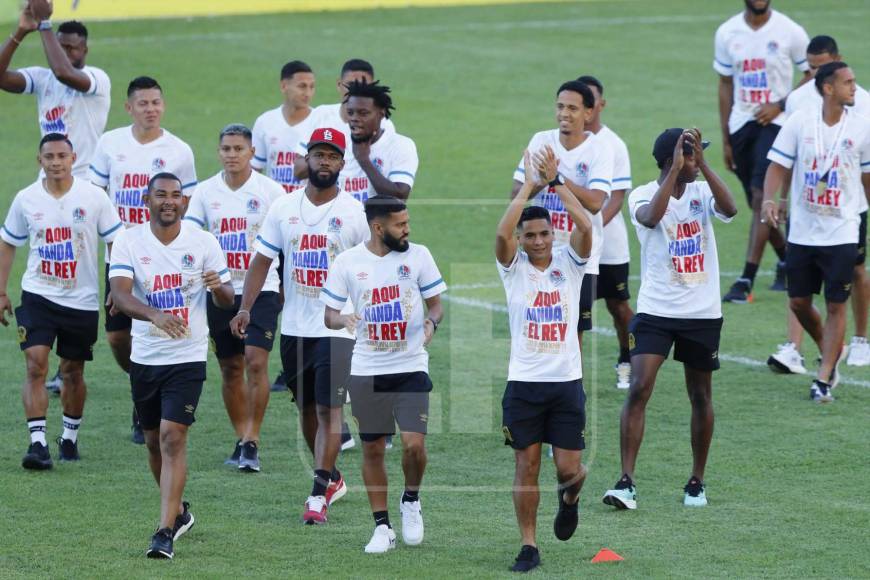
756	11
395	244
361	138
320	182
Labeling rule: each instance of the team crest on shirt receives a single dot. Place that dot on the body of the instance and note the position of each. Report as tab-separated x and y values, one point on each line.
582	170
158	164
187	261
404	272
557	277
847	144
335	224
695	207
253	206
379	163
772	47
79	215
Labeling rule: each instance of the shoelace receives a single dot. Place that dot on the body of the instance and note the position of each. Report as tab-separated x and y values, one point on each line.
694	488
414	513
316	503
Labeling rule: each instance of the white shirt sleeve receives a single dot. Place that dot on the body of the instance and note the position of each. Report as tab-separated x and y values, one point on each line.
798	53
784	148
404	166
109	225
601	168
122	262
711	205
722	62
261	155
101	164
196	208
214	259
621	168
15	231
637	199
187	173
335	292
429	279
508	271
865	155
573	261
35	78
269	241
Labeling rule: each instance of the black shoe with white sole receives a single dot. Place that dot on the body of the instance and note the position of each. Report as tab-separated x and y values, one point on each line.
37	457
249	460
161	545
183	521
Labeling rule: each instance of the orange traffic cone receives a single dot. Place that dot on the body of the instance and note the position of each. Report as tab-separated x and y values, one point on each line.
606	555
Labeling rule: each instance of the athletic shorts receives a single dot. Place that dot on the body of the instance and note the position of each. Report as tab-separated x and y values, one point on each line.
807	267
380	402
750	145
613	282
862	240
317	369
166	392
553	413
260	331
40	321
587	298
114	322
695	340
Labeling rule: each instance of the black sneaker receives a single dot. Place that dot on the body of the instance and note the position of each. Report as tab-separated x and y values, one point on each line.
821	392
694	494
54	384
234	458
183	522
779	282
740	292
528	559
280	383
137	436
161	545
69	450
566	518
249	460
37	457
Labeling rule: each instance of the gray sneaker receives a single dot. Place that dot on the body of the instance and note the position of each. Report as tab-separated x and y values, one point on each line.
249	460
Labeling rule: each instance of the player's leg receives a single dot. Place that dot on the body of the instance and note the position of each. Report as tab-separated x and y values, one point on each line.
35	400
76	337
411	410
613	287
526	494
788	359
834	333
564	427
297	362
699	385
235	399
804	280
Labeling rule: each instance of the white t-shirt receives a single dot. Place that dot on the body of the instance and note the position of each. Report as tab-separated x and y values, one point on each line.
63	234
235	219
169	278
387	293
277	144
760	61
81	116
543	317
679	266
394	155
311	238
824	213
589	165
614	249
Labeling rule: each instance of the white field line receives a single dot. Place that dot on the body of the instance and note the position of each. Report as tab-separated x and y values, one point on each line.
482	285
606	331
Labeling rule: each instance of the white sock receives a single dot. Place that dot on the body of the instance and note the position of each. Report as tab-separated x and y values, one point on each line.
71	428
37	430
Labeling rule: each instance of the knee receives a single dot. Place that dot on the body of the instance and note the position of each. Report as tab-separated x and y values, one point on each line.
172	441
152	442
639	392
72	375
701	399
37	369
374	451
528	467
800	305
256	364
232	369
415	449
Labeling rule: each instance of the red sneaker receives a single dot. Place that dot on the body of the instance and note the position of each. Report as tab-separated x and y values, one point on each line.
315	510
336	490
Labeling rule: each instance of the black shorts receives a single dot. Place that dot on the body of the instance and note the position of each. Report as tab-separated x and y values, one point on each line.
260	331
40	321
553	413
166	392
317	369
379	402
750	145
807	267
862	240
695	340
587	298
114	322
613	282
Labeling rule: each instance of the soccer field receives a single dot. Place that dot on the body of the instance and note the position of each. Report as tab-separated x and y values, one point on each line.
786	478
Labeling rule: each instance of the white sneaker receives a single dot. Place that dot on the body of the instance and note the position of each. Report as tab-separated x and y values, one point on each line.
787	360
859	352
383	540
623	375
412	522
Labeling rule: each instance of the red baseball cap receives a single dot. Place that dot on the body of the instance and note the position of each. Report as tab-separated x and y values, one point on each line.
326	136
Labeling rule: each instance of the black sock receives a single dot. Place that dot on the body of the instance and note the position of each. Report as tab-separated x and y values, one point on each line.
335	475
382	518
624	355
410	496
749	271
321	480
780	253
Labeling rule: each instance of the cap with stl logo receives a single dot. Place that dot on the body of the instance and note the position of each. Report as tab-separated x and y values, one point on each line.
326	136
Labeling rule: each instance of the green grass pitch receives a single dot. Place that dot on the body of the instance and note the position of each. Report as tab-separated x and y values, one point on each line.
786	479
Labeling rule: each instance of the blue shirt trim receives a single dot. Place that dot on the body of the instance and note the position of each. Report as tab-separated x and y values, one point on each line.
94	169
104	234
195	220
604	181
121	267
333	296
5	229
783	153
267	244
432	285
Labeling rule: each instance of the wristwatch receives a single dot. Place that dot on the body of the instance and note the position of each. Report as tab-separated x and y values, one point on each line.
44	25
558	180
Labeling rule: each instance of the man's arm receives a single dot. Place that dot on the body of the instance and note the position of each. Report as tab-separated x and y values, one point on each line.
14	81
650	214
7	257
335	320
581	235
505	234
57	58
726	102
723	200
865	181
381	184
434	314
254	281
775	179
122	296
592	199
613	205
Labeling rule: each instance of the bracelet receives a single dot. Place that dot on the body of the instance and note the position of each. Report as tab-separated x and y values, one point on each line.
434	324
15	40
768	201
44	25
248	312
